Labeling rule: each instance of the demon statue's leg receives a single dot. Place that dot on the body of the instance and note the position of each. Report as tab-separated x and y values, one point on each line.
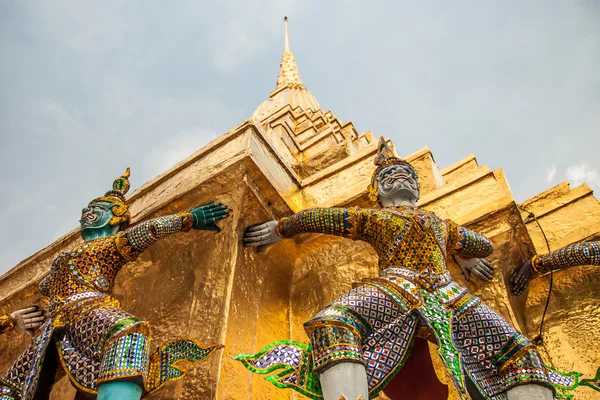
119	391
529	392
345	381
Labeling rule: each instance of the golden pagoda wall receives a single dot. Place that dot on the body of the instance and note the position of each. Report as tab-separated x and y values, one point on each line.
196	284
572	324
211	288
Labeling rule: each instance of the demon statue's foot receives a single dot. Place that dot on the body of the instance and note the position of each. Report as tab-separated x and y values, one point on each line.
530	392
119	391
345	381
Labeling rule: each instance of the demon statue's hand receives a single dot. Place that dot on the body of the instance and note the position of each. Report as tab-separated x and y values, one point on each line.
262	235
521	278
28	319
477	266
205	217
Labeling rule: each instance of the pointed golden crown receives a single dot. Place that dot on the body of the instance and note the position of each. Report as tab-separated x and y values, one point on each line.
385	156
116	196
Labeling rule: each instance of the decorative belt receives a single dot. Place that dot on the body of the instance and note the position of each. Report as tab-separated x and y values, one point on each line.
57	305
426	278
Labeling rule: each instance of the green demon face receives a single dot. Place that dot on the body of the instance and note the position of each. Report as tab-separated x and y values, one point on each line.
95	220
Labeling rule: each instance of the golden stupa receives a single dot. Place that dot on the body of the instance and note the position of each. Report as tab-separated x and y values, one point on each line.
291	155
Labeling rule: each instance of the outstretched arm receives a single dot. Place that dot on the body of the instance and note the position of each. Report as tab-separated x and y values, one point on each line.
570	256
332	221
587	253
137	239
469	249
467	243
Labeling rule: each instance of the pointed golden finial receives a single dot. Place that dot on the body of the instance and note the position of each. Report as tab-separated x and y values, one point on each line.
289	88
288	70
286	39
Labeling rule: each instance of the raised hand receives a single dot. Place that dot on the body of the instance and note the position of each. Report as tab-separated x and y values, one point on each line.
521	277
205	217
480	267
28	319
262	235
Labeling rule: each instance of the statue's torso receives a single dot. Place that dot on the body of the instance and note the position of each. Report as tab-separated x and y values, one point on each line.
88	267
407	237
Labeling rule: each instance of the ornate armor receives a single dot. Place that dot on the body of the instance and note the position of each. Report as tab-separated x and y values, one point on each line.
95	341
587	253
376	323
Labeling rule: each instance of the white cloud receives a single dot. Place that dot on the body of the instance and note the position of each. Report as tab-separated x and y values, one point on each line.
550	173
582	173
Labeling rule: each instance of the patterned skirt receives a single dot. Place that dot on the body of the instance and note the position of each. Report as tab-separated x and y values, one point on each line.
97	342
376	323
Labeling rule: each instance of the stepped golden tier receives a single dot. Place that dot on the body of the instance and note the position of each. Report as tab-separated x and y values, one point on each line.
291	155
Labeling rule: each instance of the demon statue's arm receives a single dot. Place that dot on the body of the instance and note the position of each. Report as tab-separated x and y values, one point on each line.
570	256
332	221
587	253
469	249
467	243
135	240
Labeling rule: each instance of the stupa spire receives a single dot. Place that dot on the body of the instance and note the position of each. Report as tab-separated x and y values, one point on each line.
289	90
289	76
286	47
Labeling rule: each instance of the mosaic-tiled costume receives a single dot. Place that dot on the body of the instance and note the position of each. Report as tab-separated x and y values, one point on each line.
587	253
376	322
97	342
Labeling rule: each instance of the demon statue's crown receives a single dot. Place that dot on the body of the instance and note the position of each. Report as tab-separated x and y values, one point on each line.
117	197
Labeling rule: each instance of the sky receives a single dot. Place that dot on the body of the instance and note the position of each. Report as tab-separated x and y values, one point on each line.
90	87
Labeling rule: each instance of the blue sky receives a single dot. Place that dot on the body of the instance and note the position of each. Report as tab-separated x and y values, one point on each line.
88	88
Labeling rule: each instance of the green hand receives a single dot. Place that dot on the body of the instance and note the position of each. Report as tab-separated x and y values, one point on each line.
205	217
